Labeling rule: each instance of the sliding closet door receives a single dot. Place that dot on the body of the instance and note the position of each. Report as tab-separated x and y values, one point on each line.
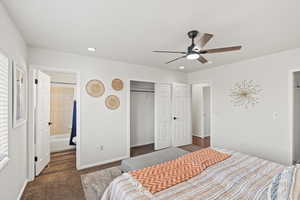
163	116
181	103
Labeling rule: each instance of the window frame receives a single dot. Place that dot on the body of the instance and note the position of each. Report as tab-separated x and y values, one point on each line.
4	162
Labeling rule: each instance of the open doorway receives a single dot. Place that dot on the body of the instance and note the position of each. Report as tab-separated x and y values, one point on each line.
55	148
141	117
201	114
296	120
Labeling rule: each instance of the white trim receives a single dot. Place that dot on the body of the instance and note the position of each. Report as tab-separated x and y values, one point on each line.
142	144
291	113
128	119
20	122
22	189
128	111
206	83
31	108
103	162
201	136
30	124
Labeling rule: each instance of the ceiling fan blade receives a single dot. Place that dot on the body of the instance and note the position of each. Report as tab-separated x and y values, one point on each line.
202	60
181	52
204	39
220	50
175	59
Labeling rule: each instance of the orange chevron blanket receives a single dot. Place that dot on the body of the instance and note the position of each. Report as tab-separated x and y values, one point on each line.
162	176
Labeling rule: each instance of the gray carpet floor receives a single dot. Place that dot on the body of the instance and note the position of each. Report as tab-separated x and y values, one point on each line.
95	183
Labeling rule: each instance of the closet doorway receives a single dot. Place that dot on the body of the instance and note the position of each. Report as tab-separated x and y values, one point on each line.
160	116
141	117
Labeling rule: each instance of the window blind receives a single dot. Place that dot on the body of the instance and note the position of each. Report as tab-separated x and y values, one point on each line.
4	67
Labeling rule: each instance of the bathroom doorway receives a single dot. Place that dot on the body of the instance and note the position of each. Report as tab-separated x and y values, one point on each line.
55	122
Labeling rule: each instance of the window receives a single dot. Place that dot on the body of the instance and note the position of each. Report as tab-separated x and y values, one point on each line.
62	100
4	107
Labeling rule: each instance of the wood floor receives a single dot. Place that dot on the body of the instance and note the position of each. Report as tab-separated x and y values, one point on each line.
61	181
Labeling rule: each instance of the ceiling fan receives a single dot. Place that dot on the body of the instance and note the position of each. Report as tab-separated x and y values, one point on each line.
195	51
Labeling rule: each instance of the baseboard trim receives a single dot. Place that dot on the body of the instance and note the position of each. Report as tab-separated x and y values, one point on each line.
102	162
22	189
201	141
197	136
140	145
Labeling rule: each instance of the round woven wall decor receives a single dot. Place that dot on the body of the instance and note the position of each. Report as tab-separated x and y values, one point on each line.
117	84
95	88
112	102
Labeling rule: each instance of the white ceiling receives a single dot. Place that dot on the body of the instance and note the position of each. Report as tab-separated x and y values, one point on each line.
128	30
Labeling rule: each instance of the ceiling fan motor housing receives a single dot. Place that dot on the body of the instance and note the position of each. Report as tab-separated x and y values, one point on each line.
193	48
192	34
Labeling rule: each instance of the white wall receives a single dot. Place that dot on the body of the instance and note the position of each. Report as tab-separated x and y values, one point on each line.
64	77
254	130
60	143
100	126
13	176
196	109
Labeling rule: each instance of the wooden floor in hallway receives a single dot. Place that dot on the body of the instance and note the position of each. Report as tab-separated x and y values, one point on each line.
61	181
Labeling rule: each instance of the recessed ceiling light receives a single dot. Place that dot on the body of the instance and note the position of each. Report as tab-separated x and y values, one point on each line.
181	67
92	49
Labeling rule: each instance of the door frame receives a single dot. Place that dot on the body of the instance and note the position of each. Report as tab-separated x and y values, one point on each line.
129	107
291	93
202	110
210	85
31	115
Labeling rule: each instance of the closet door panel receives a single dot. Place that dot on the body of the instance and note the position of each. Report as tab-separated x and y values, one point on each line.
181	103
163	116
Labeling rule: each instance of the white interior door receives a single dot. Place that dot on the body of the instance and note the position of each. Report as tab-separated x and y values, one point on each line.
163	116
181	103
42	131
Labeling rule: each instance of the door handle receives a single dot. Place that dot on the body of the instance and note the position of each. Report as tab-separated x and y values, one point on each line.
175	118
49	123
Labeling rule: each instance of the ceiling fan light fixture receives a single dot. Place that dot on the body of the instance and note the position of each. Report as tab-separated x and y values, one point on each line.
91	49
193	56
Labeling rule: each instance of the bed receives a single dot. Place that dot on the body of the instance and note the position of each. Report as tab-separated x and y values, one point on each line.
239	177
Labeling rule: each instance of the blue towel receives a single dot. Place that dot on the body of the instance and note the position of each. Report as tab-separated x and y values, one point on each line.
73	132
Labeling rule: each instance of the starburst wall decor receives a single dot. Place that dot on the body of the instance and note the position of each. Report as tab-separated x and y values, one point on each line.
245	93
